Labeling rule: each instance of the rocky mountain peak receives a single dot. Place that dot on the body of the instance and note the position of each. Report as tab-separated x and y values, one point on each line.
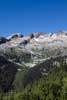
37	34
15	35
39	45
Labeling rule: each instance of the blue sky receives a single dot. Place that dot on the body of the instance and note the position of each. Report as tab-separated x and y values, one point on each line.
28	16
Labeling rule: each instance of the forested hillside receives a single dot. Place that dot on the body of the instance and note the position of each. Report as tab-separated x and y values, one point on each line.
49	87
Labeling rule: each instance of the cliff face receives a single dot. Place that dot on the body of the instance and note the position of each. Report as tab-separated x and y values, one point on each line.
34	48
24	59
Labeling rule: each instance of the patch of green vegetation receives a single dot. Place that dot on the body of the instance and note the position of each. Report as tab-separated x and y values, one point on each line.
20	78
50	87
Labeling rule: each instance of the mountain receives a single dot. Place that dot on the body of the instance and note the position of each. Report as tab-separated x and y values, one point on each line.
35	47
24	60
51	86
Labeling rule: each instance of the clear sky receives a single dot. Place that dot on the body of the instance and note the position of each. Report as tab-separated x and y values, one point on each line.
27	16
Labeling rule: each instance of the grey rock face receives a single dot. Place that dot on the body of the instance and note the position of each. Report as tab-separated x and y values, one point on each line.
3	40
39	46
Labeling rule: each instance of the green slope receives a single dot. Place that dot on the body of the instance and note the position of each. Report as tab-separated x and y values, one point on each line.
50	87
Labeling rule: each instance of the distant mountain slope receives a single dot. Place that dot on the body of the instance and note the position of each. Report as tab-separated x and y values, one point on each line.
37	47
24	59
